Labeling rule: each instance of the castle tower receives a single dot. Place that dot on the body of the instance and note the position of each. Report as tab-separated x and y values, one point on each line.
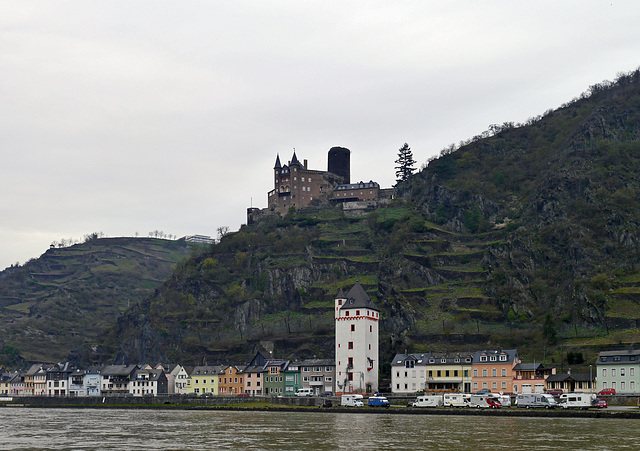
339	163
356	347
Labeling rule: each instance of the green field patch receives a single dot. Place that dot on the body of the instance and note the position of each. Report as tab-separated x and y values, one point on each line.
22	307
318	304
622	308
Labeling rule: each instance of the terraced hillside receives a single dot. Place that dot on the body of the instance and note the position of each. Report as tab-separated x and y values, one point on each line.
59	303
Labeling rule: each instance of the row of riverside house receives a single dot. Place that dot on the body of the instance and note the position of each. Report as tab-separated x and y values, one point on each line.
264	376
502	371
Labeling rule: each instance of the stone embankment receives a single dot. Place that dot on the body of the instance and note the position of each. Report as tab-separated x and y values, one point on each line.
296	405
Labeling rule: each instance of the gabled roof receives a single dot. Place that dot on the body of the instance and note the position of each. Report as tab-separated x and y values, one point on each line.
419	359
511	354
317	362
571	377
529	367
119	370
358	298
206	370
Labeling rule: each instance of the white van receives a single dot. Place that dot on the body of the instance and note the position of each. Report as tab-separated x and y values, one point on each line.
351	401
532	400
505	400
428	401
304	392
456	399
578	400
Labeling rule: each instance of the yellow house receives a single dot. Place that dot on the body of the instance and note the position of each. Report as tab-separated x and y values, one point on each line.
448	372
203	379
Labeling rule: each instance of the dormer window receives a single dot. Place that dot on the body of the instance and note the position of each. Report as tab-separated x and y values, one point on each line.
503	358
493	358
443	360
432	361
483	358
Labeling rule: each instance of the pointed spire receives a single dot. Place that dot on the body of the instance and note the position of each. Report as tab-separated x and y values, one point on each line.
278	165
294	159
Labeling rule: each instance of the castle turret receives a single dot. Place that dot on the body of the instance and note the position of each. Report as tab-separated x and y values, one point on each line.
339	163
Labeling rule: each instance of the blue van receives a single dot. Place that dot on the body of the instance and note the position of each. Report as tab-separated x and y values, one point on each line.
378	401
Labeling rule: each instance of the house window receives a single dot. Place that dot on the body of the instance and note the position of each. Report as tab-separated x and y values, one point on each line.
353	328
350	345
350	376
370	328
504	372
493	358
632	371
604	372
357	312
484	385
475	373
350	362
621	371
484	373
503	358
622	386
494	372
613	372
504	385
494	385
483	358
632	386
475	385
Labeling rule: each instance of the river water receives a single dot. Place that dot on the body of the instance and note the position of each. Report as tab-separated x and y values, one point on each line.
93	429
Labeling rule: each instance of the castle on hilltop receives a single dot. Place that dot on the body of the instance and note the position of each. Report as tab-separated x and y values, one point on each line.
296	186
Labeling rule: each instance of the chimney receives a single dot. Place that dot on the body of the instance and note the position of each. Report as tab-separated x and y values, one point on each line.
305	164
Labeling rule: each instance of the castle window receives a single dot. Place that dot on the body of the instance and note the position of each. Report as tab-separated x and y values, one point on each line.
303	179
353	328
350	345
357	312
309	179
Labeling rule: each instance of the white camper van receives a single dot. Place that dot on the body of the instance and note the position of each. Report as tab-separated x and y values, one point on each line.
578	400
532	400
484	401
428	401
505	400
352	401
456	399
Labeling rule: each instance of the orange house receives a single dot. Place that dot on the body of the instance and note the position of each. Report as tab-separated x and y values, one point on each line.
493	370
230	381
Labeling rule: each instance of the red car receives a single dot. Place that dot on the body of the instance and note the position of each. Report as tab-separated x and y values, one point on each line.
607	391
554	392
602	403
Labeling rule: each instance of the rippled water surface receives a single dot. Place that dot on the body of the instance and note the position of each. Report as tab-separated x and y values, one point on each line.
89	429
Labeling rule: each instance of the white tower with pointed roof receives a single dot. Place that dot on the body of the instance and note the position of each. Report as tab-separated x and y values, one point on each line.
357	320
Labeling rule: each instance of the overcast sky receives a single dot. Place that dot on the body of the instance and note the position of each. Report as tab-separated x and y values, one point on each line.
125	117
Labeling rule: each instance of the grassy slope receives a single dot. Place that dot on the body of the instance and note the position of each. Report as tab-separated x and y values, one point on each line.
62	300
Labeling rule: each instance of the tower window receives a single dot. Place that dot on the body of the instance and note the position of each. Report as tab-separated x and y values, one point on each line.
353	328
351	345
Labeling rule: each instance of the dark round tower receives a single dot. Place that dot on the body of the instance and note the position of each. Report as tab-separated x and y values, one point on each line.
340	163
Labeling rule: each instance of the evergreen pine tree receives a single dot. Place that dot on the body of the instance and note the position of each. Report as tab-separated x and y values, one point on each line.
405	163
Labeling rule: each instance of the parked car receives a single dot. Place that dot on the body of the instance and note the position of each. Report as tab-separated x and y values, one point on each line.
326	394
607	391
482	391
554	392
602	403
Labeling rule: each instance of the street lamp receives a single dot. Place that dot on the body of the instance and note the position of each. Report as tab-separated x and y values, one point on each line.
590	379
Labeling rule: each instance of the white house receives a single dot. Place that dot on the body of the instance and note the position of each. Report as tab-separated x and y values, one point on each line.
356	347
